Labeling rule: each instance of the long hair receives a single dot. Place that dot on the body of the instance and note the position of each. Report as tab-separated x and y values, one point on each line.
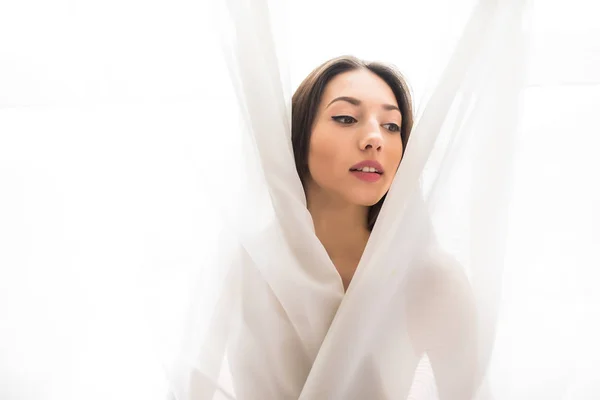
307	98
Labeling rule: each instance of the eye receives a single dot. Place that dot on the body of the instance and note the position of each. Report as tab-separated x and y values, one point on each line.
392	127
344	119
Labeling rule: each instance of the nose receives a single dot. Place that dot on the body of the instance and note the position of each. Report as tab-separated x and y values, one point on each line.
372	139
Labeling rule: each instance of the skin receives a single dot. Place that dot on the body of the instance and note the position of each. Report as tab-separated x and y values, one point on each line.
441	311
344	134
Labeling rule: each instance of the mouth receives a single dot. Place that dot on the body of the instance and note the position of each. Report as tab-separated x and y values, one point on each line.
368	167
367	170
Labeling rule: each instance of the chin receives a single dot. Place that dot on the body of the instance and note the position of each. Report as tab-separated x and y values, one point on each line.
366	200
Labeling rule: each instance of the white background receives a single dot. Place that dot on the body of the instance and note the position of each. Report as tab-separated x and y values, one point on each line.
116	120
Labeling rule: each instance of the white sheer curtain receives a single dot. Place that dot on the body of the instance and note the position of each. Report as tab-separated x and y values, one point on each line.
119	132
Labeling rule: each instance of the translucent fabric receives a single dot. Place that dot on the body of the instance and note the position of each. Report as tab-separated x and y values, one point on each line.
154	237
425	297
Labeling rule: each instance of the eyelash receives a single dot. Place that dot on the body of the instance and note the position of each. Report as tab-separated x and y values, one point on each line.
340	118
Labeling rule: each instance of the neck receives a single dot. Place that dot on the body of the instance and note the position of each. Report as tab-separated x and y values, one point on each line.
340	226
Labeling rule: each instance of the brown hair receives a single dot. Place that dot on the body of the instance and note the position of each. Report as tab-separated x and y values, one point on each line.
307	98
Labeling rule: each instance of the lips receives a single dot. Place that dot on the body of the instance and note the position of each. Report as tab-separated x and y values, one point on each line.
367	176
368	171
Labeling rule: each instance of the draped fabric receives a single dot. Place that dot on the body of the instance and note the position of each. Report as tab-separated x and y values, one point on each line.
283	327
154	236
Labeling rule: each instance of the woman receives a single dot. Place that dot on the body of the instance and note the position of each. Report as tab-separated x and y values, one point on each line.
293	320
350	125
351	122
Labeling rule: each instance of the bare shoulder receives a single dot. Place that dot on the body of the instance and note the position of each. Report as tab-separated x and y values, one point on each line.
442	323
437	275
440	300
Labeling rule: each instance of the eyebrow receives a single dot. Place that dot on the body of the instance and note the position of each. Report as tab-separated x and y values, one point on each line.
357	102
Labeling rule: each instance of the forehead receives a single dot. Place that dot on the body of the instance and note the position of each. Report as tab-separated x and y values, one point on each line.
362	84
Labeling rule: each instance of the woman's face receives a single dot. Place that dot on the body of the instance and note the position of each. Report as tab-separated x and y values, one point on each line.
358	121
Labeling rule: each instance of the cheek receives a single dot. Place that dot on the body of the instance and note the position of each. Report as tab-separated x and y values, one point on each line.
393	159
323	156
395	154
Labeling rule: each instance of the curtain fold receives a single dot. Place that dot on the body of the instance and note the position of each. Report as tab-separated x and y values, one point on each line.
294	333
